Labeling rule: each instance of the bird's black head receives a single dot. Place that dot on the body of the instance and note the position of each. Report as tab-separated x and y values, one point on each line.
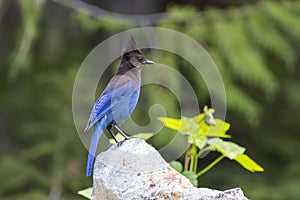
133	57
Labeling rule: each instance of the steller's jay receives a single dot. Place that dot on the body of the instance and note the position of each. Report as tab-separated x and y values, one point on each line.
118	99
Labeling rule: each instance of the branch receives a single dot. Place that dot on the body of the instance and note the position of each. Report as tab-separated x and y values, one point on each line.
97	12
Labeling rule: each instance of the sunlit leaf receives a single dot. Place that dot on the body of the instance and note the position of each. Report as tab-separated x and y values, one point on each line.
199	140
248	163
86	192
219	130
185	125
143	136
190	127
197	119
228	149
199	125
174	124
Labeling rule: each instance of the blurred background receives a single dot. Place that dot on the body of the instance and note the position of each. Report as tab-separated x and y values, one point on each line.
255	45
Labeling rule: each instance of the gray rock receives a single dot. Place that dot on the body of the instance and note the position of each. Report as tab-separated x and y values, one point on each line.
134	170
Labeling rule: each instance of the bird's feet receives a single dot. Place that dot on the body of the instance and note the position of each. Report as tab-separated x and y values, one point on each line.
114	136
120	131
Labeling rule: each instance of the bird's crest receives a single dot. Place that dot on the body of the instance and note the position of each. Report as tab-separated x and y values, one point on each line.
131	46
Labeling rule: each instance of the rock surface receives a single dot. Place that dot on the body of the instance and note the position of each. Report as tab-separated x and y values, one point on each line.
134	170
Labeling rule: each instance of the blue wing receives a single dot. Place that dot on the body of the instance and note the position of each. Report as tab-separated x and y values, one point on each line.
118	90
100	108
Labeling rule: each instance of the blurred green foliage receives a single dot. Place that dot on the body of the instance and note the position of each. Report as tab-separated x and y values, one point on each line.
254	44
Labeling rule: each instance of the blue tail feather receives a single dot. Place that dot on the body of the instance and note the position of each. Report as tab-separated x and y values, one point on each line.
93	147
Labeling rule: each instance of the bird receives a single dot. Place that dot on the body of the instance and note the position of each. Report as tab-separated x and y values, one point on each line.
118	99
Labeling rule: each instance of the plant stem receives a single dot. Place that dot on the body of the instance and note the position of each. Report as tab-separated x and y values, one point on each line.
187	158
210	165
194	158
194	154
192	163
196	163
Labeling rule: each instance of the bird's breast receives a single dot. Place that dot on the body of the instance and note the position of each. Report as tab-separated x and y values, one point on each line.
125	106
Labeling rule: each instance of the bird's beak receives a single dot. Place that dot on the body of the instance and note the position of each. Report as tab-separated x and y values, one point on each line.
148	62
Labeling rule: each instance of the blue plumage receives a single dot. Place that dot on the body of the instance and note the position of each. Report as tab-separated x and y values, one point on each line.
118	99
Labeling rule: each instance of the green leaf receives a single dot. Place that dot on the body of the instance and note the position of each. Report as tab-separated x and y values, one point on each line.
143	136
174	124
177	166
187	126
199	140
191	176
228	149
219	130
236	152
86	192
197	125
248	163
